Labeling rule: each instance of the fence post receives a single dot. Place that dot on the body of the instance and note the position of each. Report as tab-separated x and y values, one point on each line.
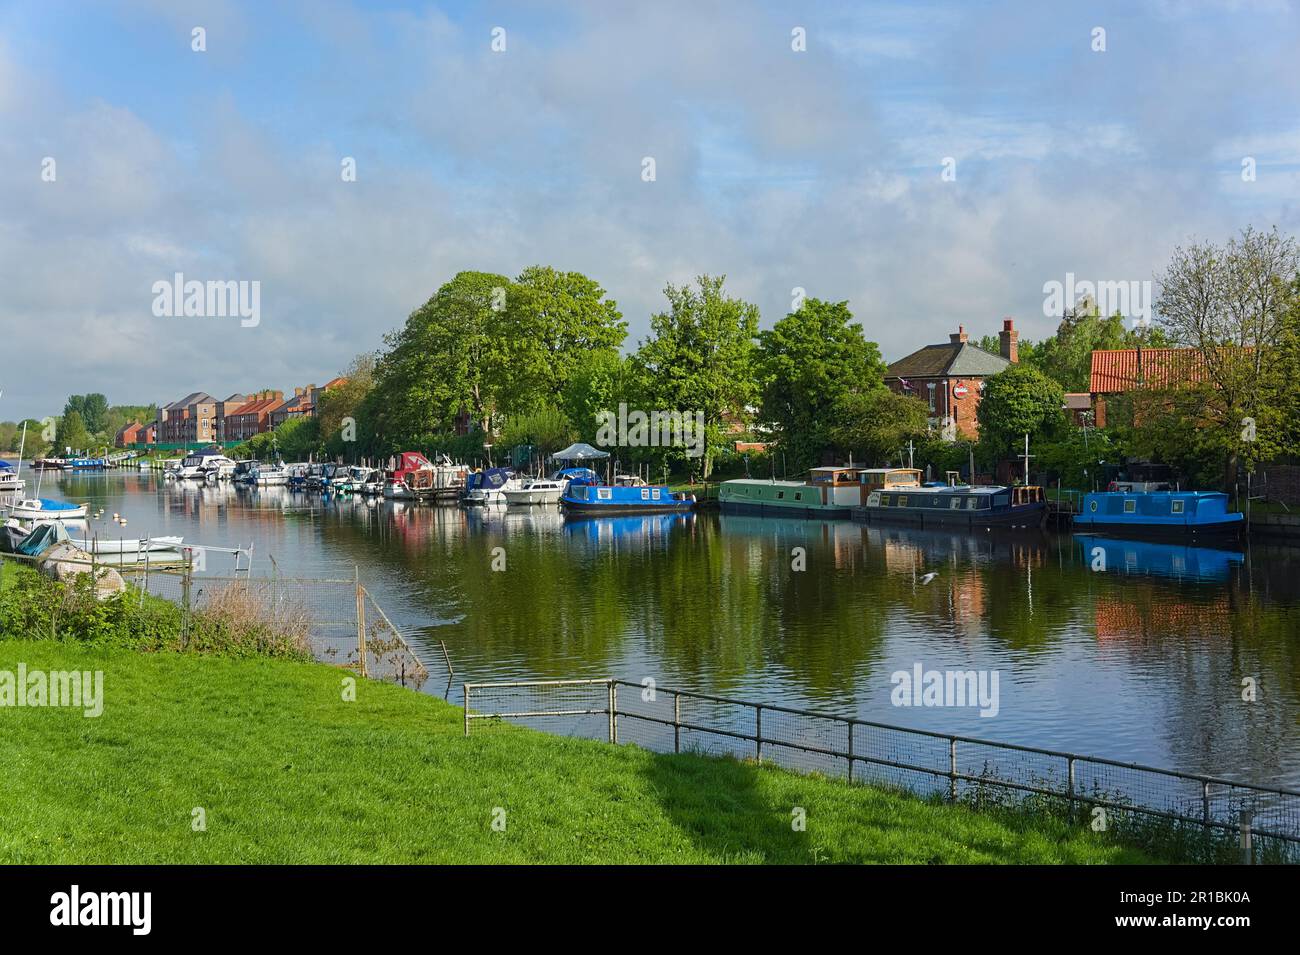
361	622
464	688
758	732
613	711
1070	784
186	580
952	768
850	722
677	722
1205	806
1247	853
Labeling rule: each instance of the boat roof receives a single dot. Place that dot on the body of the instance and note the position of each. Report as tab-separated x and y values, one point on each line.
767	482
833	470
890	470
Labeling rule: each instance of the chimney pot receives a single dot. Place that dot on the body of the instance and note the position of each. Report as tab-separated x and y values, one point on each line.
958	336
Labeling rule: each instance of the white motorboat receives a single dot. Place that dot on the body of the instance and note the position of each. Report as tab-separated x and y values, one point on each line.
199	465
534	491
271	475
43	508
10	482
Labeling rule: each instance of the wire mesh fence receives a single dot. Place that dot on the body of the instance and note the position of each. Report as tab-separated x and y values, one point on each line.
337	620
958	768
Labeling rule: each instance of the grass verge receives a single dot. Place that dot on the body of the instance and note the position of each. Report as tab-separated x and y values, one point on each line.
286	771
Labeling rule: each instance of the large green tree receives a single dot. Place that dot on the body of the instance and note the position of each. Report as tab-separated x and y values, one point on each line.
72	432
562	319
1018	401
1230	304
700	358
811	363
874	423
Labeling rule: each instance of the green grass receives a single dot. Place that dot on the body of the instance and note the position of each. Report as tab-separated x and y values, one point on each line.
288	772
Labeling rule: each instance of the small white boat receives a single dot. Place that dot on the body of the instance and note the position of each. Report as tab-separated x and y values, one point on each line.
16	530
535	491
42	508
203	465
271	475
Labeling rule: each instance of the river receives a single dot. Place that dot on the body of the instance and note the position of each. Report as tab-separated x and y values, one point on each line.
1119	649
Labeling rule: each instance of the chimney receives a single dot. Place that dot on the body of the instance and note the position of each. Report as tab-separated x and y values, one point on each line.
959	336
1007	341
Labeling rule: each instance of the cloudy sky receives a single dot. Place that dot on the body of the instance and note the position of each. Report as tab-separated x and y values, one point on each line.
819	168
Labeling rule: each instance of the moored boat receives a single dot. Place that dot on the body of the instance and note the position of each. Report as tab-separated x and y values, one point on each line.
961	505
44	508
1159	513
587	500
828	492
535	491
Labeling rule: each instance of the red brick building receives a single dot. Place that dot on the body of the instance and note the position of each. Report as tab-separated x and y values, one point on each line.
253	417
1120	370
950	378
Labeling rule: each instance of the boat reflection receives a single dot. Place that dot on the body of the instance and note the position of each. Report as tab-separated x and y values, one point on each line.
1149	558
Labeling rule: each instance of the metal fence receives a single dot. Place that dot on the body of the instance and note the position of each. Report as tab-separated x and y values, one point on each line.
339	619
959	768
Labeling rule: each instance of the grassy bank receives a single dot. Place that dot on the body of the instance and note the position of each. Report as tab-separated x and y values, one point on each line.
287	771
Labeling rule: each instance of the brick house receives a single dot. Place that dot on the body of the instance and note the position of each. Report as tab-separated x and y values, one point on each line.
253	417
1122	370
299	406
949	377
224	408
129	435
189	420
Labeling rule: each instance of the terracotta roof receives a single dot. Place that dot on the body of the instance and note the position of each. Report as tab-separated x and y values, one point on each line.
951	358
1126	368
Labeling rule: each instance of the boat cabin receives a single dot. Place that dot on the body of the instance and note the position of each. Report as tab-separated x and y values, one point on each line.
879	479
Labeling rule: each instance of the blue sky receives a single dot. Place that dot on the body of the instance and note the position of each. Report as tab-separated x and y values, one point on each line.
818	169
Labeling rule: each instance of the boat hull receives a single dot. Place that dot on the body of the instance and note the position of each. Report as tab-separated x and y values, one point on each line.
1022	515
768	509
530	496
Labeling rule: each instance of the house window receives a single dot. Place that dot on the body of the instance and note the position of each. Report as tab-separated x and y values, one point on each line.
930	386
1176	507
1130	507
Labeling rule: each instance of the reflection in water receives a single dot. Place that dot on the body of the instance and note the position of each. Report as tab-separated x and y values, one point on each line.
1140	659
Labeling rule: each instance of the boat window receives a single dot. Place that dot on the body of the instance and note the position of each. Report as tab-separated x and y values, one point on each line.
1130	507
954	503
1092	506
798	495
604	493
655	493
1176	507
780	495
902	500
971	503
645	494
884	500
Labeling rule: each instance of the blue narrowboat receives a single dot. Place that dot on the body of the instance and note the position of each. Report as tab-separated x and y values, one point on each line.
588	500
1159	513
